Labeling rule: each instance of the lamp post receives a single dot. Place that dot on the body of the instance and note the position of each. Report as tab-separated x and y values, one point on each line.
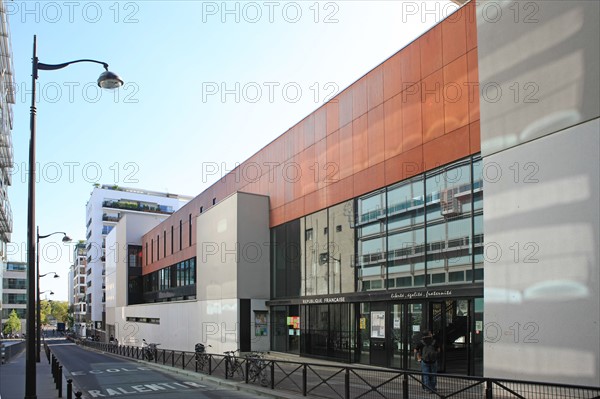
107	80
37	265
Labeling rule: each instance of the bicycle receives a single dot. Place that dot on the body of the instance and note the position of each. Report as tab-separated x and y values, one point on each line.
233	365
202	358
257	369
149	351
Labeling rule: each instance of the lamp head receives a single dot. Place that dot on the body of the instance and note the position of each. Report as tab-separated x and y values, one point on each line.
109	80
66	238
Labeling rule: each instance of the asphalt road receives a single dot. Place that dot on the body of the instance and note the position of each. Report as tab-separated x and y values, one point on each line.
100	375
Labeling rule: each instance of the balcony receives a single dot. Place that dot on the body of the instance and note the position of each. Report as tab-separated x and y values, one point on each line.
6	220
110	218
139	206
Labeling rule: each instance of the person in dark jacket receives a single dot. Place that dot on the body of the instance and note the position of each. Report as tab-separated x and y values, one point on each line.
427	354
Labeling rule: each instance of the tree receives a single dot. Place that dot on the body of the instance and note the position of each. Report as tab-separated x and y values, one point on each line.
13	323
60	311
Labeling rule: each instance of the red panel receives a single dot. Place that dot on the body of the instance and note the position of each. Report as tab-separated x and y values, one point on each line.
392	76
471	25
359	98
321	155
360	143
412	130
432	91
345	106
375	87
307	166
294	209
411	64
403	166
473	85
446	149
276	216
315	201
330	172
376	137
454	36
431	51
340	191
392	110
369	179
321	123
474	130
456	98
346	154
308	130
333	115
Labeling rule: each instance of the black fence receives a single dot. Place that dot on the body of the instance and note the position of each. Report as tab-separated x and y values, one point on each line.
345	382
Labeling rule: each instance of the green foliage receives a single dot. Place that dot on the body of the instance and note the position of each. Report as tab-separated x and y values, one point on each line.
13	323
58	310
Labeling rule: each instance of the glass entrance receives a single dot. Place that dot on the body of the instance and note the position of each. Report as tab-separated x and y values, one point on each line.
450	327
407	321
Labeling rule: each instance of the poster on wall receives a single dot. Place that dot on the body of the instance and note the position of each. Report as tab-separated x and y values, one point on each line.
378	324
260	324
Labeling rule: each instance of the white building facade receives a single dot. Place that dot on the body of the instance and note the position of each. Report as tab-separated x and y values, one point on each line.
106	206
77	287
14	293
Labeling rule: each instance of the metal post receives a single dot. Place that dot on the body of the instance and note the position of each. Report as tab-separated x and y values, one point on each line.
69	389
78	394
304	380
488	389
30	372
405	385
59	382
347	383
272	374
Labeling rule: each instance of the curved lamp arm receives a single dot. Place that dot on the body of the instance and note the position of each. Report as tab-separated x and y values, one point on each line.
51	67
66	238
45	274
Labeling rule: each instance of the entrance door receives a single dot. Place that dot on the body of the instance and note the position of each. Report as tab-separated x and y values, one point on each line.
379	334
407	321
450	327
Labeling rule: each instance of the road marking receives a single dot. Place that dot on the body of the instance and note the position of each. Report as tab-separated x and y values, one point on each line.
143	388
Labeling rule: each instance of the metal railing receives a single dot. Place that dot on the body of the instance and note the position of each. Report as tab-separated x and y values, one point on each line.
346	382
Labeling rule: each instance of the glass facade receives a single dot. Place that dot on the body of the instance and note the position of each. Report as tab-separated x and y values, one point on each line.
174	283
360	281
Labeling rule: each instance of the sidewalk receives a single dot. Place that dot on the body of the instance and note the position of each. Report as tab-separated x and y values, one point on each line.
12	379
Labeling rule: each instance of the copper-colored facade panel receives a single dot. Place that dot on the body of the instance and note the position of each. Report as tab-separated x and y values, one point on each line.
295	209
375	87
454	36
445	149
321	163
346	165
333	115
392	76
308	130
475	137
369	179
404	166
471	25
412	128
432	107
321	123
359	97
346	106
376	136
330	172
456	94
360	143
307	168
392	113
411	64
276	216
340	191
431	51
315	201
473	83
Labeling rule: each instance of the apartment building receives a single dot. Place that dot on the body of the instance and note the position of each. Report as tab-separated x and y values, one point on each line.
6	148
454	188
14	292
77	287
106	206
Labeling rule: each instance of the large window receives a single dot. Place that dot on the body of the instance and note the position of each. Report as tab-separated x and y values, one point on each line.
424	231
285	260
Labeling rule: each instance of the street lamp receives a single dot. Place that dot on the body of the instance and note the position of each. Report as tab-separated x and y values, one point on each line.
107	80
39	313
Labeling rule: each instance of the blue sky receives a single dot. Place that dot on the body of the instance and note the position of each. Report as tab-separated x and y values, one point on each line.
208	84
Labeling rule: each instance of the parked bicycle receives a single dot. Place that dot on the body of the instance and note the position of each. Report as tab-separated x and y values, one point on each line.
202	358
257	369
233	365
149	351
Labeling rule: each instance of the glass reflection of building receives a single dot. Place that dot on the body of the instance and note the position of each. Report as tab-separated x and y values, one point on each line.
410	254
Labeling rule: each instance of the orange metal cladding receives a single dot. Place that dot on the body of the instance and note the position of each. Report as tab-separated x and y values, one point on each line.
417	110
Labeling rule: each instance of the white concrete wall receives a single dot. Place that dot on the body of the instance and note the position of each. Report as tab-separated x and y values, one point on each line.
541	153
